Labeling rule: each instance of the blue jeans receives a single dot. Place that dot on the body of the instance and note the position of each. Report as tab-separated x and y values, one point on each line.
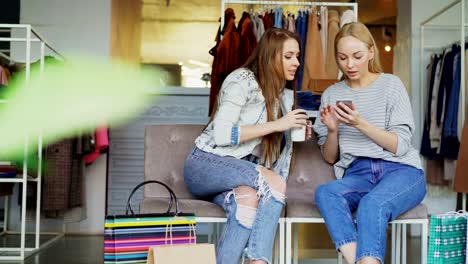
213	177
379	191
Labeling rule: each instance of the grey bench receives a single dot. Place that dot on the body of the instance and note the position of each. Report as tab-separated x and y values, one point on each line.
167	146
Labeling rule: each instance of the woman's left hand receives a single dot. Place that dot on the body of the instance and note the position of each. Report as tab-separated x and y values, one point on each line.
309	130
348	115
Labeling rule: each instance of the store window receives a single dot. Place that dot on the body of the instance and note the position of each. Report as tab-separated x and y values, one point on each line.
177	35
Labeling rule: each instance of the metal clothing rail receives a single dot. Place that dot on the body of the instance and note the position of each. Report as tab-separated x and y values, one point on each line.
24	179
354	6
425	24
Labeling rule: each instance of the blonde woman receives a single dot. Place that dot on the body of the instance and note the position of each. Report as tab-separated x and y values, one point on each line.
368	139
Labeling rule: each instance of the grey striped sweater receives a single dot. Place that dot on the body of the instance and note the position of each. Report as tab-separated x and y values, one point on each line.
385	104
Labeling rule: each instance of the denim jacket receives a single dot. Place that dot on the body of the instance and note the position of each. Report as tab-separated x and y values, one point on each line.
241	103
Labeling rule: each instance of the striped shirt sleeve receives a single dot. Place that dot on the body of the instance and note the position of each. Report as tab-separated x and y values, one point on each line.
401	118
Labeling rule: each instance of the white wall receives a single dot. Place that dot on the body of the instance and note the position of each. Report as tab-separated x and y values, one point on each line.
95	184
72	27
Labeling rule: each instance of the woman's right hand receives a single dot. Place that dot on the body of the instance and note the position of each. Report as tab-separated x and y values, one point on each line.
296	118
328	118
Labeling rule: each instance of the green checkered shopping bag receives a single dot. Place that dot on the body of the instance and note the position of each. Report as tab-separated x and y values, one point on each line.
447	238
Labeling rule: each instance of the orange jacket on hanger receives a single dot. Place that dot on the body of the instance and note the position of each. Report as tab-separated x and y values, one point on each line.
248	39
333	27
314	64
226	58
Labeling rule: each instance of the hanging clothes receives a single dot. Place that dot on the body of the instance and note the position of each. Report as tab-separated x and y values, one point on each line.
441	132
225	54
324	30
267	20
333	29
347	17
301	30
63	177
102	145
286	21
291	23
278	18
260	28
426	149
314	65
449	143
248	40
450	127
271	18
4	76
434	128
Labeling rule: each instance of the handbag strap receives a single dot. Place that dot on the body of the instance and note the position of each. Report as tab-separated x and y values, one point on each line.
172	195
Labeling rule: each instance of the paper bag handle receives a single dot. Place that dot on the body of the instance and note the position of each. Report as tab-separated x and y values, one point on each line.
173	198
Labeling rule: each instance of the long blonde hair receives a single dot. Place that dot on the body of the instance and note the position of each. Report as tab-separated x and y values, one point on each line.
361	32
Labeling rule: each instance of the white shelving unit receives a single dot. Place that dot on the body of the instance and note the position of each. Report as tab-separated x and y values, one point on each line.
22	252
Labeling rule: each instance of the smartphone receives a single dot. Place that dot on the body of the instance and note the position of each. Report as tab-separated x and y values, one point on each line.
349	103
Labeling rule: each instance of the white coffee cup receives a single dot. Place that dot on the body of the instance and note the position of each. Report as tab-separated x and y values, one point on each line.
298	134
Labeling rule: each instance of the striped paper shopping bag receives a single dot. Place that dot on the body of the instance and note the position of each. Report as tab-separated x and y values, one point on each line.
128	237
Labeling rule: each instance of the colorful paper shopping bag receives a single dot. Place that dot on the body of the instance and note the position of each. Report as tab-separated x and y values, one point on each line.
128	237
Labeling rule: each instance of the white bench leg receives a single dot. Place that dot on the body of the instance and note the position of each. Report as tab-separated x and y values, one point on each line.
393	243
398	243
424	235
276	248
282	243
296	244
211	227
340	258
403	247
288	242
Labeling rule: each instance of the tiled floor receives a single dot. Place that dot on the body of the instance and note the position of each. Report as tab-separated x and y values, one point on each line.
66	250
89	250
330	256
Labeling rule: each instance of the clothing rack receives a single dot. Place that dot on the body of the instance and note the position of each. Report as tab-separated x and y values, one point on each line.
354	6
425	24
31	36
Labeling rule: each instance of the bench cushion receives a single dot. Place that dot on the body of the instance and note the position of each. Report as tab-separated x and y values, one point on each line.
302	208
309	170
166	148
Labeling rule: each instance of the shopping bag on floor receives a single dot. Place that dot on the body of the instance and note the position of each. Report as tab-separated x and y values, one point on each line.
182	254
128	237
447	238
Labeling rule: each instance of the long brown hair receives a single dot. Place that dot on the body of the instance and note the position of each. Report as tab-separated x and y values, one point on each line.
266	62
361	32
